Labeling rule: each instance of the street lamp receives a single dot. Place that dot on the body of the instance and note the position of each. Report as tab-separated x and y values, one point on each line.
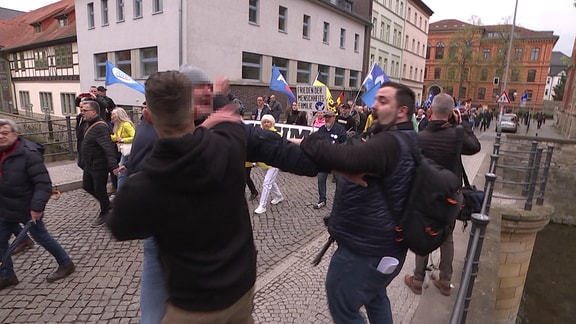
508	63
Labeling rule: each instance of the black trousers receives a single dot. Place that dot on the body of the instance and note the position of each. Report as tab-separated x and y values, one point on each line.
249	181
94	182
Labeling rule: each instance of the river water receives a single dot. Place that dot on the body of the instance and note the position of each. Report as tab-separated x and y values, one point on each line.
550	290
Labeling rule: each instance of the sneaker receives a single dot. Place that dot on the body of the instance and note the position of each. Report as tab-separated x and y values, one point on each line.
253	195
8	281
443	286
277	200
260	210
413	284
23	246
61	272
320	204
98	221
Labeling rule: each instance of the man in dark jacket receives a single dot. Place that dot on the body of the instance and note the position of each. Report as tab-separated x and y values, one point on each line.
25	188
438	142
97	157
261	109
361	220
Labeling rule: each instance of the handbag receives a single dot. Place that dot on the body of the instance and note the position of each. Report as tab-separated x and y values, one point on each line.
473	199
124	148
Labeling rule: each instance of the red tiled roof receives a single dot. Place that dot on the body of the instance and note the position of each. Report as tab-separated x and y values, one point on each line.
19	31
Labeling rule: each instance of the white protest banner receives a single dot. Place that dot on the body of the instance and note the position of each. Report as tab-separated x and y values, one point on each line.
287	131
311	98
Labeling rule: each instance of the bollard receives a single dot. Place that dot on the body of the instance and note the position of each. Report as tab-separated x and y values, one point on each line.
533	177
488	191
540	199
470	270
526	187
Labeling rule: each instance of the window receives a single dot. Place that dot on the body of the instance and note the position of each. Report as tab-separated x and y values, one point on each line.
439	51
303	72
306	26
518	54
137	8
353	83
323	73
104	8
406	42
37	28
437	72
282	65
46	105
404	75
63	54
119	10
392	67
68	103
387	35
90	10
531	76
453	51
513	93
515	75
326	33
41	59
465	74
495	93
385	65
535	54
410	76
529	95
251	66
451	73
425	73
342	37
21	61
148	61
371	59
253	11
124	61
382	28
462	93
374	27
339	77
63	21
157	6
282	18
484	75
486	55
100	60
24	99
428	49
356	43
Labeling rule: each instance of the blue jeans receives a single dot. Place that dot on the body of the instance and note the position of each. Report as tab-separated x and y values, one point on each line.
121	175
322	176
352	281
153	291
40	235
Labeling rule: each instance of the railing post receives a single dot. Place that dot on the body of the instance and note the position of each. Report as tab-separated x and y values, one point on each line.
496	149
493	162
488	191
526	187
533	178
71	154
549	151
470	271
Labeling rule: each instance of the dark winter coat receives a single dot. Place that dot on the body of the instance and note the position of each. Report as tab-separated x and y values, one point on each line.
25	184
98	152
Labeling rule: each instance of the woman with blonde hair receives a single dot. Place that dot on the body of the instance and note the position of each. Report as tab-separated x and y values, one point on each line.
123	135
269	183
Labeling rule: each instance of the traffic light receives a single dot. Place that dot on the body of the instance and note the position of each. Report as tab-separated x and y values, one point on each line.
496	81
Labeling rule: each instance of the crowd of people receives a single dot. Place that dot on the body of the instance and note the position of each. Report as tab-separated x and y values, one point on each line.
199	253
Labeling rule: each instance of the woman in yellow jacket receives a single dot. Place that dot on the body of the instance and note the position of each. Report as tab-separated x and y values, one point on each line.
269	182
123	135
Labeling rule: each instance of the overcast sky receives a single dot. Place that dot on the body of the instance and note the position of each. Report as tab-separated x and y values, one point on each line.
551	15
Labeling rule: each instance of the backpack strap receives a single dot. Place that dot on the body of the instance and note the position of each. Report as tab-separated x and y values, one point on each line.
91	126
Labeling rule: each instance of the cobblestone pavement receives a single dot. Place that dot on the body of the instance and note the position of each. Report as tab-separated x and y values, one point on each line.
105	286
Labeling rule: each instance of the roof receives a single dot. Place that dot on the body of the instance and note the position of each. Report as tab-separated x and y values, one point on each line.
6	13
420	4
558	63
19	33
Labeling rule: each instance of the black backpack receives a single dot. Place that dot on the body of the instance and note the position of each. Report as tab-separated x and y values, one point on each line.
432	204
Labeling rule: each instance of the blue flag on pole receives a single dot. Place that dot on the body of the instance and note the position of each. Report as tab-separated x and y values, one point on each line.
115	75
428	102
278	83
369	97
375	76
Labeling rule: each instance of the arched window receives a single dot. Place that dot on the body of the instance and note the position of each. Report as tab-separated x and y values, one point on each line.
439	51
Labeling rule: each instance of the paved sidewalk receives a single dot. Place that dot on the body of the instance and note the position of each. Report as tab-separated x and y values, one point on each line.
105	287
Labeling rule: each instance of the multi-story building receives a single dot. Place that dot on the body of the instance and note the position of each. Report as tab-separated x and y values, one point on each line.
567	117
41	51
557	70
469	62
241	39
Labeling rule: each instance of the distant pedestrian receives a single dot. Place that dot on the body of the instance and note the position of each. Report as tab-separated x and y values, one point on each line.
25	188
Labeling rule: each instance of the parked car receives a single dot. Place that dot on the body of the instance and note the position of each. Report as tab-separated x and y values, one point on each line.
509	123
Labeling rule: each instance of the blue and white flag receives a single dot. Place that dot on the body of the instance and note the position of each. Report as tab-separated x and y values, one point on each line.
115	75
369	97
375	76
278	83
428	102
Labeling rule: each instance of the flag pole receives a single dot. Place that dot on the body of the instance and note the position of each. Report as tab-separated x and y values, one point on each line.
360	89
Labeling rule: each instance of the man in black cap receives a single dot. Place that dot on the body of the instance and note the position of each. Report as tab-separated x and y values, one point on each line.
110	104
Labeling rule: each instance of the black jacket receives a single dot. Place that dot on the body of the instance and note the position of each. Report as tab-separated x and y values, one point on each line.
360	218
438	143
98	152
190	197
25	184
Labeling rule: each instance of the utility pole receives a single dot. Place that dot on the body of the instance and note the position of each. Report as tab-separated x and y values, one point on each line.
508	64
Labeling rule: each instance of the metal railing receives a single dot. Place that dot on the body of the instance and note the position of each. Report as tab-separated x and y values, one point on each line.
529	167
57	136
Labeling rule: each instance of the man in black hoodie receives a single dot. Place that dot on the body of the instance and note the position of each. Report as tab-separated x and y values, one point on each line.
206	247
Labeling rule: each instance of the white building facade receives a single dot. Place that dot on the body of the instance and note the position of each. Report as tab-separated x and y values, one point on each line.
240	39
